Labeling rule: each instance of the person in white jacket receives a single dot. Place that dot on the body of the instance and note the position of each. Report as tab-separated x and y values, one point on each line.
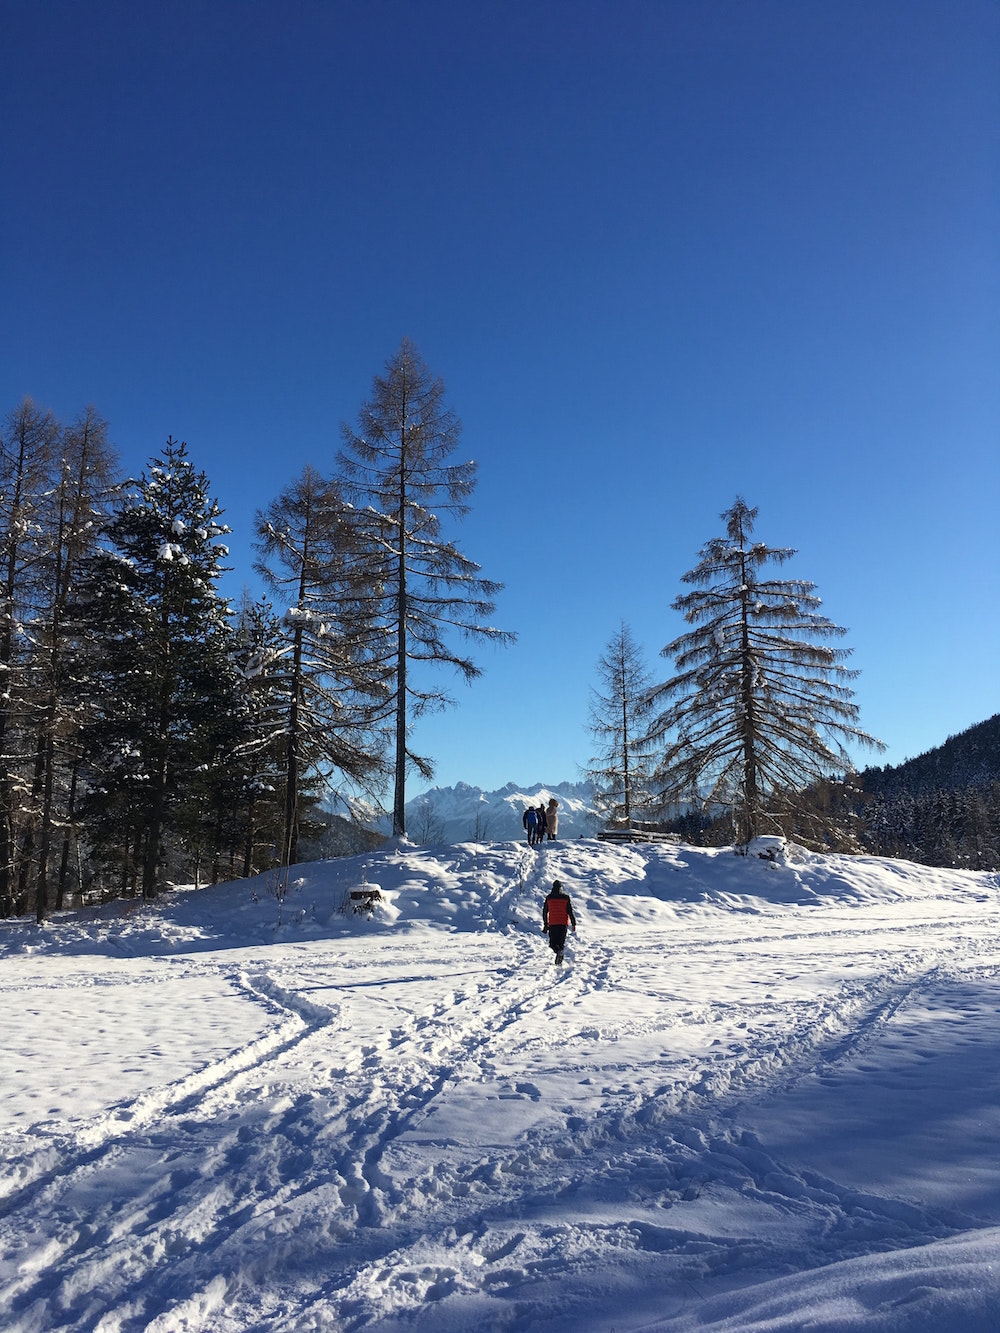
552	818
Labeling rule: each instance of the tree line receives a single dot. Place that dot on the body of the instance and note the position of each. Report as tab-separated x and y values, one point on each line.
941	808
149	731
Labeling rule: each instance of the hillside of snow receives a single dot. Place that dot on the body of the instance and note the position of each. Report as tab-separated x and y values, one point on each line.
758	1096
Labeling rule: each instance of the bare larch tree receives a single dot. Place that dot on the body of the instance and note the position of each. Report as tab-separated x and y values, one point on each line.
760	705
397	472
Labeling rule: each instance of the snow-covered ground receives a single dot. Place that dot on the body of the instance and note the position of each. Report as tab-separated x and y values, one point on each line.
759	1096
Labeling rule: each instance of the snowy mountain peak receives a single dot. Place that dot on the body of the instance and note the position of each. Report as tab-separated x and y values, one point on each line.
464	813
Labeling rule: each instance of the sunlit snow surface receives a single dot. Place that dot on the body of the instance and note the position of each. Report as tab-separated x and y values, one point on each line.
758	1097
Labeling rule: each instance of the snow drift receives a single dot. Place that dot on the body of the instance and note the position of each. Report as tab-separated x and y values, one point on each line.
761	1096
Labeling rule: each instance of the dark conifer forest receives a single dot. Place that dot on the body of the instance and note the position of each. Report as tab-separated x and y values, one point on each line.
152	733
942	808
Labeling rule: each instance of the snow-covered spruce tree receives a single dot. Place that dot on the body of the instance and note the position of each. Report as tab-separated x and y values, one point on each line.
760	705
335	689
621	770
28	453
163	648
212	804
398	475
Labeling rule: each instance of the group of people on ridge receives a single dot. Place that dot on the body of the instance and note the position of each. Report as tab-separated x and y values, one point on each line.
539	820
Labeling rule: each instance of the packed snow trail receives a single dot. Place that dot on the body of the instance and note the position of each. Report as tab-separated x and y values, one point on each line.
424	1124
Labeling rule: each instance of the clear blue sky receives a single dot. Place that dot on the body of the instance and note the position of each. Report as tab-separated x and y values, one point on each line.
661	254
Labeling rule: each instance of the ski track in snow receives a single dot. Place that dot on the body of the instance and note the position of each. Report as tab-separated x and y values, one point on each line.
354	1167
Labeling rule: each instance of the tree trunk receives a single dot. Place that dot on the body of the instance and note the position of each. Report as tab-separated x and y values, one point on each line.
751	801
290	850
628	788
399	791
158	801
45	835
399	794
248	846
64	859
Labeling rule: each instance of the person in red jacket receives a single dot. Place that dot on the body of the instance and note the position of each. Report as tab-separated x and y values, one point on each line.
557	917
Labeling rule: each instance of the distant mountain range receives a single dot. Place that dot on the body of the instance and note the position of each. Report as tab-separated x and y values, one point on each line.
468	814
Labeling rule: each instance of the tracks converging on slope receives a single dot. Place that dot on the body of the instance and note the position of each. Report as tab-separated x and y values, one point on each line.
333	1163
238	1164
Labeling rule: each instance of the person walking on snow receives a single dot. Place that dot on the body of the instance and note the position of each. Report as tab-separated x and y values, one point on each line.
530	821
557	916
540	823
552	818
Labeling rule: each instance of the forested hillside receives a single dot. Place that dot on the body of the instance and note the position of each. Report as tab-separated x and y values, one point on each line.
942	808
970	759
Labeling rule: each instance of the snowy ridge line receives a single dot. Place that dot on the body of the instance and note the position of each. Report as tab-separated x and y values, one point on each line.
70	981
262	986
86	978
529	875
498	1255
976	972
844	1022
500	904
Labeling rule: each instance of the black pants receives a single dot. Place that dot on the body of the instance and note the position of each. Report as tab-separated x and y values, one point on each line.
557	938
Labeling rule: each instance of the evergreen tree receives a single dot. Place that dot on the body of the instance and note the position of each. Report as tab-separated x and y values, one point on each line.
621	770
335	692
164	650
211	805
398	474
760	705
